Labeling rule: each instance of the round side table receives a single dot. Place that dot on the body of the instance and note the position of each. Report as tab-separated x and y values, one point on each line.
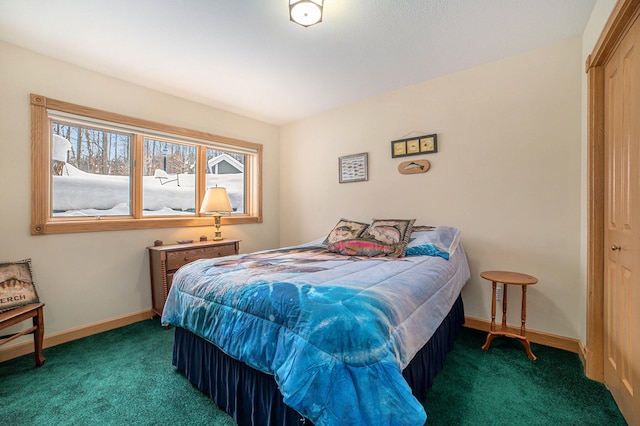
508	278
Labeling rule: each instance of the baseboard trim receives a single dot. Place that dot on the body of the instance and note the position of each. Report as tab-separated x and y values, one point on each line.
55	339
583	354
24	348
540	337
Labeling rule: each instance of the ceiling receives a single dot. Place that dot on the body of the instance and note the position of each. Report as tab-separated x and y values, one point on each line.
245	56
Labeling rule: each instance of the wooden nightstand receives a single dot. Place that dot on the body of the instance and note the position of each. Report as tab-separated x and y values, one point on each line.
509	278
165	261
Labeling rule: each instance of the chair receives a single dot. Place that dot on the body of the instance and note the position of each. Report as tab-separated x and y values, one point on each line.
23	313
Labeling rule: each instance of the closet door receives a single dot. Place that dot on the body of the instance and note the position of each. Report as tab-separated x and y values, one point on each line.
622	225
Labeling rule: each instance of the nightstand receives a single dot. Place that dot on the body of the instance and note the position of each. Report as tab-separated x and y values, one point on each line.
165	261
509	278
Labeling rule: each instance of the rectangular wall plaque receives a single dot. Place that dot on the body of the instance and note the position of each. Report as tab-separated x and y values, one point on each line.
426	144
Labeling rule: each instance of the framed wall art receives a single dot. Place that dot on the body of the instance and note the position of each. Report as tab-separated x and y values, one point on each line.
426	144
353	168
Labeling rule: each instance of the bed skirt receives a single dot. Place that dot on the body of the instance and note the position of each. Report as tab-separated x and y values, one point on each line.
252	397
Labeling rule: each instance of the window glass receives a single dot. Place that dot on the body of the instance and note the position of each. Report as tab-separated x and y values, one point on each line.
94	170
169	182
91	169
226	169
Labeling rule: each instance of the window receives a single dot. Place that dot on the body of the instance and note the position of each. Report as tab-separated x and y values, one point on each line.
90	171
95	171
168	182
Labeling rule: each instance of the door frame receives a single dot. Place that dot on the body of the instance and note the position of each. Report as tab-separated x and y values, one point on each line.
623	15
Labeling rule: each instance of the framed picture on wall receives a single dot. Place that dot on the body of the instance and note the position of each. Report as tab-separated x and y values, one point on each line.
398	148
353	168
426	144
413	146
429	144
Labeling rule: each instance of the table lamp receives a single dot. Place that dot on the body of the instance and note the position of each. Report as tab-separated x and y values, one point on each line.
216	201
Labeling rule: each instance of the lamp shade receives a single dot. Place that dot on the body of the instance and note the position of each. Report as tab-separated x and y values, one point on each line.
216	200
305	12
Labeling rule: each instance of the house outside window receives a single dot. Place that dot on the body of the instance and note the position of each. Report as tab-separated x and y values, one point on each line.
94	170
226	169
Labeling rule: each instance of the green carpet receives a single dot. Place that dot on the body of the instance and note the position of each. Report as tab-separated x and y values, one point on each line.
502	386
125	376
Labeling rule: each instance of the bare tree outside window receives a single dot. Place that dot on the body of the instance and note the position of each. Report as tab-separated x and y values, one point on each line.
96	170
91	170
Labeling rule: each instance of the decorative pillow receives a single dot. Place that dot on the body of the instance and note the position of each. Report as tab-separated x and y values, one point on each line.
363	247
391	231
439	241
16	285
345	230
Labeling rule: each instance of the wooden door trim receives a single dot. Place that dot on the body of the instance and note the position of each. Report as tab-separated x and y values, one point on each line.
623	15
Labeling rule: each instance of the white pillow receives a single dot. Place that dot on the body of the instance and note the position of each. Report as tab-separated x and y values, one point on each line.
439	241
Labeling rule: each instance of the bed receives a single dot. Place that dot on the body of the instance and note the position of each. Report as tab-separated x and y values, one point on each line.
319	333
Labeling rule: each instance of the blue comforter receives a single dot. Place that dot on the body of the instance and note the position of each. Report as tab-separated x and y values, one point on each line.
335	331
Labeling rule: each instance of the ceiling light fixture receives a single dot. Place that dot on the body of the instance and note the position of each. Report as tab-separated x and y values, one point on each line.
305	12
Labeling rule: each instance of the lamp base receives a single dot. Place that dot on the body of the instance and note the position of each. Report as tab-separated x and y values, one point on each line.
217	236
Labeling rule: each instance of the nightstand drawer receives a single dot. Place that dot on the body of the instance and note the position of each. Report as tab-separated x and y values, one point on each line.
179	258
169	280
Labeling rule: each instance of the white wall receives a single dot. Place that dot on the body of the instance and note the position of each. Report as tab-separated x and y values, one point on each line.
510	171
507	172
90	277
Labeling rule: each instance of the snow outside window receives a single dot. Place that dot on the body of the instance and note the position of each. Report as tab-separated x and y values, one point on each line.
169	179
97	171
91	171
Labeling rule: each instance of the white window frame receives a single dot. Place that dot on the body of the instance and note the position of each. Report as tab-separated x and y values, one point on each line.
42	222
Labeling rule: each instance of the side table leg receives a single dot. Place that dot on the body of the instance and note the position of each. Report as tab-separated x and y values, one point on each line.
493	307
523	330
527	348
490	336
487	343
523	315
504	306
